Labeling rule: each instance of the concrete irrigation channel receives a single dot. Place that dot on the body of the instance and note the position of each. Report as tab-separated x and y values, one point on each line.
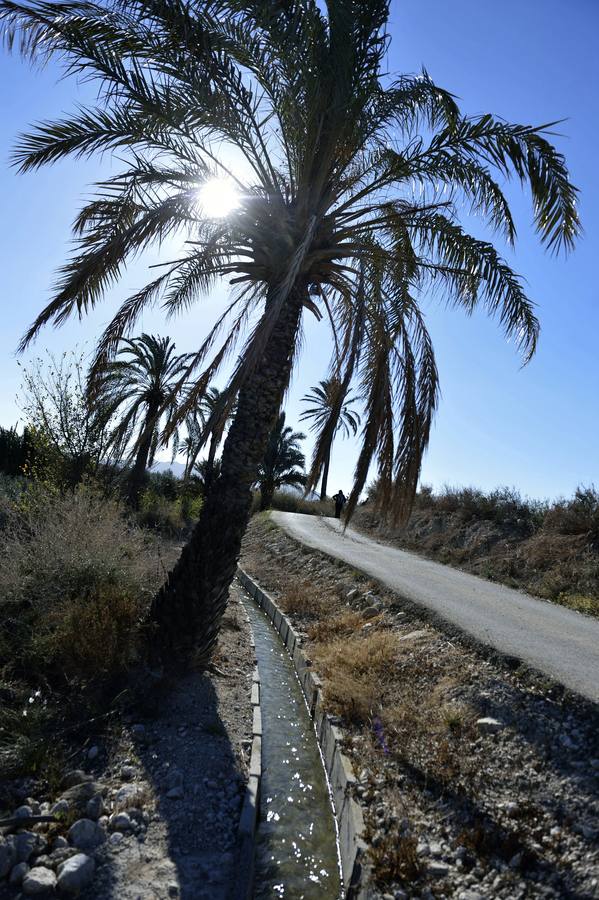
308	842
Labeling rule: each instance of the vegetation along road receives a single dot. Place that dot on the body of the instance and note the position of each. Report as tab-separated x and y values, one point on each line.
559	642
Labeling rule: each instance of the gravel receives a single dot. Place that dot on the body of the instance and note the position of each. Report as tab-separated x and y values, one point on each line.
500	801
157	817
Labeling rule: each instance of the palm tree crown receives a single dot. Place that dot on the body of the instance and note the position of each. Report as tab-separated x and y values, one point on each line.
139	382
351	187
283	462
330	412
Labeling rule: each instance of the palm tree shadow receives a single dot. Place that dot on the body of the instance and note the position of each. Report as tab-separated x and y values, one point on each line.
190	767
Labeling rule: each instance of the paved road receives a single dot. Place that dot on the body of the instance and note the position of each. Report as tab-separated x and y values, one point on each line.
554	640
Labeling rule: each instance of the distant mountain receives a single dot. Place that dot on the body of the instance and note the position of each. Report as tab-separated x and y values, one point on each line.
176	468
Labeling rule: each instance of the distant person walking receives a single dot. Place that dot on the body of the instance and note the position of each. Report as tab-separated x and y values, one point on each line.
340	501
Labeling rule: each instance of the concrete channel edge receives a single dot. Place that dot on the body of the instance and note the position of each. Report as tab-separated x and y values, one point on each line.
348	813
248	820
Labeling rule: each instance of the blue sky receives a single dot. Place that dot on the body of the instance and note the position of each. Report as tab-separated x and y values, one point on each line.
536	428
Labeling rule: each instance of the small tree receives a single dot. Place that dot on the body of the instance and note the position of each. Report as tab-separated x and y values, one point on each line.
283	462
65	427
330	413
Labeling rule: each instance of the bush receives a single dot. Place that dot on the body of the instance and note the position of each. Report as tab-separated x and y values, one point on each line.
289	502
75	581
580	515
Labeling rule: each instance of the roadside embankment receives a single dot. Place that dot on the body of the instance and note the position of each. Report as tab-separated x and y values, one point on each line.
478	780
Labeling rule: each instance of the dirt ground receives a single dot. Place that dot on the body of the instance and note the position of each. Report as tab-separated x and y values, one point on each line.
479	779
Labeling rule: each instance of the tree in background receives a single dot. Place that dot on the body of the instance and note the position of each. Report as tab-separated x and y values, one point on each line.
140	386
15	450
330	413
350	189
67	433
283	463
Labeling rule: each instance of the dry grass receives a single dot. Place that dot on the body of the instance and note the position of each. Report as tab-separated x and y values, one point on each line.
301	599
395	859
76	579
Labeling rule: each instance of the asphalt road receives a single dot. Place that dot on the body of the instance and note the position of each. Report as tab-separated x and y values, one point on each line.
557	641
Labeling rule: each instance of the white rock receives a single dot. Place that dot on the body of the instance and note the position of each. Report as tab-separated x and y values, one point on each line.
86	835
415	635
75	873
39	881
116	839
488	725
438	869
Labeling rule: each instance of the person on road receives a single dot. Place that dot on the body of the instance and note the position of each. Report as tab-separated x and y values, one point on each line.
340	501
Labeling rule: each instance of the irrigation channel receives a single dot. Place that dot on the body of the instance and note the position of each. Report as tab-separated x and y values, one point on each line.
297	854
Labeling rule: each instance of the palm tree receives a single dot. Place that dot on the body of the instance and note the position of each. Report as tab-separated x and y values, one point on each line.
140	384
349	186
330	413
209	407
283	462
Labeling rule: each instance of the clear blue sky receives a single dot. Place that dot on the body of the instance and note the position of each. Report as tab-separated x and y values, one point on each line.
530	61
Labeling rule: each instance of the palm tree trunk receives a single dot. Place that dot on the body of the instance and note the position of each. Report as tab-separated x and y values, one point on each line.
325	477
136	478
267	492
186	613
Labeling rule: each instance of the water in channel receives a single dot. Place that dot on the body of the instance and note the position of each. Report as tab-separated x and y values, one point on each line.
296	855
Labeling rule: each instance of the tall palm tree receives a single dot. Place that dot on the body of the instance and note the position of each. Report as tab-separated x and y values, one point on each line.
329	402
283	462
140	384
350	184
208	408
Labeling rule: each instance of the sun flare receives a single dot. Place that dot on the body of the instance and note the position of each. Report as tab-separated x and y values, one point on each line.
218	197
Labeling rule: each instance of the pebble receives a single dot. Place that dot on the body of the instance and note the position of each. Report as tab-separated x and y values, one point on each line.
86	834
26	844
60	808
18	873
94	807
76	873
175	793
438	869
39	881
120	822
23	812
488	725
418	635
7	856
93	752
77	776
